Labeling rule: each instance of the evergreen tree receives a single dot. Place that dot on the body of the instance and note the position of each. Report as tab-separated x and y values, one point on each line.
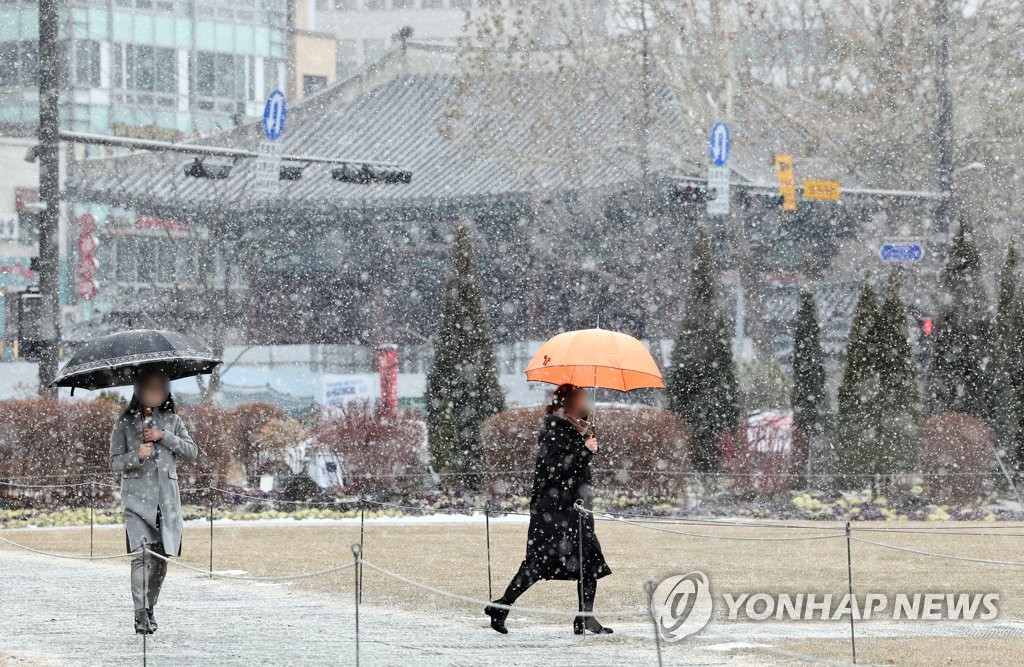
961	377
808	398
857	420
898	392
462	383
1009	360
702	385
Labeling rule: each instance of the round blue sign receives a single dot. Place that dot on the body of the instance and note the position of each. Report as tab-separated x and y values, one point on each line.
720	143
273	115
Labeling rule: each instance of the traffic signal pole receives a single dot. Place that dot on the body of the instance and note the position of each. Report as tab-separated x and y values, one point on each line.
943	121
49	197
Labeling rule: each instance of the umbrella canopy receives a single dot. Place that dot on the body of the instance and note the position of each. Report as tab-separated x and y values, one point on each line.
118	359
595	358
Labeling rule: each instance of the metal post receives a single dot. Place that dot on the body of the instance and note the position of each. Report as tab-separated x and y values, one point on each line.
579	542
487	524
649	589
49	197
362	525
145	591
92	510
849	579
357	554
943	121
211	537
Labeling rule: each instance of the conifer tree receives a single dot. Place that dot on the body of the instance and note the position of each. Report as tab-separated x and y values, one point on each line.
1009	360
808	399
895	448
702	386
462	383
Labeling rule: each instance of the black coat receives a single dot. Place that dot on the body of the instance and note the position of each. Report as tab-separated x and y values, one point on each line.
562	476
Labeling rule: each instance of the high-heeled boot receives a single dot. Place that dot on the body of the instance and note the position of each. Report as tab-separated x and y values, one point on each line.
498	616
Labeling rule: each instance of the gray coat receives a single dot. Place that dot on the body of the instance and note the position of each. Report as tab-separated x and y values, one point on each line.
153	483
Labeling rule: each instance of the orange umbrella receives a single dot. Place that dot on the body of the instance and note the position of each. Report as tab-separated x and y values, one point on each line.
595	358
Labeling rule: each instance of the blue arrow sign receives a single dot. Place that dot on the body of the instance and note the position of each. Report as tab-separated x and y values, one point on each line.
720	143
901	252
273	115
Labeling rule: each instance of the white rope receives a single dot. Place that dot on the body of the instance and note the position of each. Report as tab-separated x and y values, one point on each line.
56	555
243	577
641	524
937	555
528	610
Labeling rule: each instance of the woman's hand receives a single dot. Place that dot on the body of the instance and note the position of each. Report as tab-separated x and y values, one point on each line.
145	451
591	444
152	434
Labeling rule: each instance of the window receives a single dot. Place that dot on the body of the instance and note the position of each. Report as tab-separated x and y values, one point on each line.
312	83
403	4
149	69
127	260
19	64
271	75
220	75
375	4
433	4
87	63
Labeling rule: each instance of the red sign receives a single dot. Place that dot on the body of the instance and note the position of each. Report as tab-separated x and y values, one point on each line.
19	270
87	289
151	222
87	245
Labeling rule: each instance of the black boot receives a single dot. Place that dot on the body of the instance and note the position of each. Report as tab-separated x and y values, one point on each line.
152	620
583	623
142	626
498	616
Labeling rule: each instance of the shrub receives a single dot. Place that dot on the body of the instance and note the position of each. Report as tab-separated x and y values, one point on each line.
644	451
761	457
955	456
215	431
250	419
300	487
381	455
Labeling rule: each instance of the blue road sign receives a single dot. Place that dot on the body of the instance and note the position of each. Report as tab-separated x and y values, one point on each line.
720	143
273	115
901	252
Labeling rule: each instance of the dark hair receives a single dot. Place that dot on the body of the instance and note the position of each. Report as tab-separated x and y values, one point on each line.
135	405
561	397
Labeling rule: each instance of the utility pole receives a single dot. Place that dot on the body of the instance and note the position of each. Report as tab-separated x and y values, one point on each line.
49	196
943	120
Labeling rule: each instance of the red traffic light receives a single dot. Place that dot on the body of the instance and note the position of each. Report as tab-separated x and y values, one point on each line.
926	326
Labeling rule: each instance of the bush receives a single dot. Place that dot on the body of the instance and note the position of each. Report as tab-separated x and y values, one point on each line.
215	431
956	453
300	487
250	418
762	458
381	455
644	451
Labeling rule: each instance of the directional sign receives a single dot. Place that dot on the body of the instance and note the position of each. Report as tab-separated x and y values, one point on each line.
718	183
901	251
822	190
273	115
720	143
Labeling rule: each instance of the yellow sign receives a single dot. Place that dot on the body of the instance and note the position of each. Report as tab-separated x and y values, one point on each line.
787	181
822	190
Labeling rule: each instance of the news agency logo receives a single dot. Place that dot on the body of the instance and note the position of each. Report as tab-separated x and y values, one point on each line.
682	605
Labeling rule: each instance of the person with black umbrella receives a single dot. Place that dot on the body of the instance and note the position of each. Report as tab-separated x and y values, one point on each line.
145	445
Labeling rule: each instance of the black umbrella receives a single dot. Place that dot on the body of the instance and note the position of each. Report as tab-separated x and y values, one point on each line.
119	359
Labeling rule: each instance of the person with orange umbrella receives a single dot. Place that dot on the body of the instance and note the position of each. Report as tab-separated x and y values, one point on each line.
560	543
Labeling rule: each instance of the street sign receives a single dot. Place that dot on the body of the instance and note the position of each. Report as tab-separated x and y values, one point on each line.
719	143
822	190
718	183
901	251
273	115
267	169
787	181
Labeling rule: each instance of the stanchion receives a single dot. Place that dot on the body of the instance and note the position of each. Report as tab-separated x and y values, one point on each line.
362	526
487	524
849	579
649	589
211	536
145	591
92	510
579	569
357	554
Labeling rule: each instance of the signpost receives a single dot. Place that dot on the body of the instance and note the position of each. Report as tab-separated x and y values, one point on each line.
901	251
822	190
719	146
267	169
787	181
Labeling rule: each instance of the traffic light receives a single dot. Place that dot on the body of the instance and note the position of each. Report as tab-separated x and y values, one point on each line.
199	168
926	326
691	194
369	173
760	201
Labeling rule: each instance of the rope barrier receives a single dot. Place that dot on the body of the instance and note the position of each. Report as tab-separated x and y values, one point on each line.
244	577
472	600
68	556
938	555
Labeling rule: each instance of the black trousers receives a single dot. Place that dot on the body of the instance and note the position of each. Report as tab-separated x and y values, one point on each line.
526	577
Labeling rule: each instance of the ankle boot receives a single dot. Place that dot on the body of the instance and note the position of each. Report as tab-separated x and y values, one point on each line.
142	626
582	623
152	620
498	616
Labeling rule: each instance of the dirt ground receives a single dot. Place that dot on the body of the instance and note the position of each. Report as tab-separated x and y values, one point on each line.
453	557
